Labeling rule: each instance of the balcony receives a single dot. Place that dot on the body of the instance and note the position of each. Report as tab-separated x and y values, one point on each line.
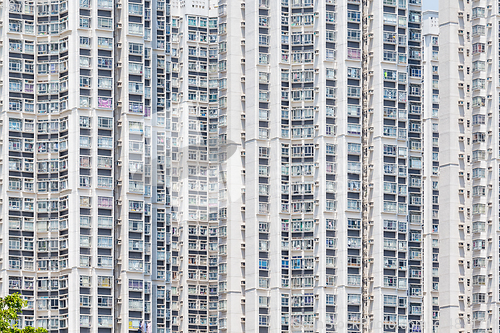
390	244
416	273
354	261
104	142
390	281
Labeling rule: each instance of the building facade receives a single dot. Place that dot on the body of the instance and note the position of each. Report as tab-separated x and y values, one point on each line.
431	276
86	218
234	166
468	130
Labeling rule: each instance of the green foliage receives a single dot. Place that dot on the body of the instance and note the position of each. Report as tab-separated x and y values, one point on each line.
10	307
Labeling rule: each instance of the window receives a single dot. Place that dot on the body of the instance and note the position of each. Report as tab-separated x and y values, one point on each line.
478	66
353	16
84	22
478	298
478	12
104	22
478	48
136	28
105	43
478	30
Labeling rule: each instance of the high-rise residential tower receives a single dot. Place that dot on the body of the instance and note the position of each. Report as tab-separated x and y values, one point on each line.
84	158
233	166
431	275
469	132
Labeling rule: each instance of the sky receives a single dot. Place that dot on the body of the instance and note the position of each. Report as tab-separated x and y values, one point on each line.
430	4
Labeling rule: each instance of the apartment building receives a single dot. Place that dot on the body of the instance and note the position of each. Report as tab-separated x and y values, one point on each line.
343	85
239	166
468	130
85	217
432	276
